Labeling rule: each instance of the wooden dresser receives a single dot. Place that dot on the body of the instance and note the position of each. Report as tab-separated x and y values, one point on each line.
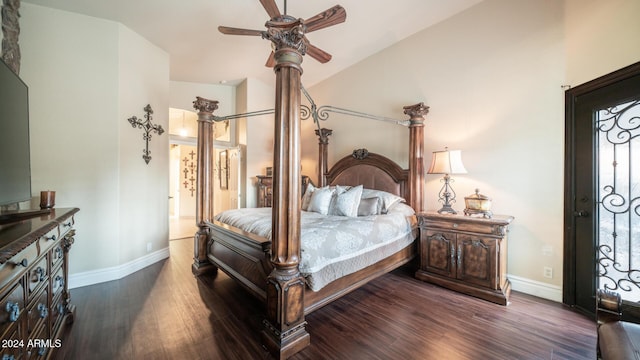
265	189
34	293
465	254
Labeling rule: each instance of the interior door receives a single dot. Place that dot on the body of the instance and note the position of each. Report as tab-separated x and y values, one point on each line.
235	177
602	204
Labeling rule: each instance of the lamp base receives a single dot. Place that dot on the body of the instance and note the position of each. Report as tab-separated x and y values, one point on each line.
447	209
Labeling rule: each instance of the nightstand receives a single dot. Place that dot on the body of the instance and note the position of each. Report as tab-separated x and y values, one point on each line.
466	254
265	189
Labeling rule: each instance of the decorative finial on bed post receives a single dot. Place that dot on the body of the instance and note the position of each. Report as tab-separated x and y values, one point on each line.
205	105
416	113
204	183
323	146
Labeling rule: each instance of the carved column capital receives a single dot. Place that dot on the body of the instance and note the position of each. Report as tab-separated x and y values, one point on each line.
205	105
416	112
289	36
323	135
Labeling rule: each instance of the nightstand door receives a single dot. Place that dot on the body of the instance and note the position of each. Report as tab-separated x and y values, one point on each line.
476	258
438	249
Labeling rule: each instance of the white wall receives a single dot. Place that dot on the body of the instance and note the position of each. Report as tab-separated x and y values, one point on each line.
86	77
70	64
492	76
602	36
143	78
182	95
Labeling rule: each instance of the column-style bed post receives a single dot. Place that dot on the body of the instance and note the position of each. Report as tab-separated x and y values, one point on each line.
323	144
204	184
284	332
416	154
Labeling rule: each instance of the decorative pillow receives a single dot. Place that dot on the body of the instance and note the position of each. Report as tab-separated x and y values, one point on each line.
306	198
400	208
370	206
387	199
321	200
345	201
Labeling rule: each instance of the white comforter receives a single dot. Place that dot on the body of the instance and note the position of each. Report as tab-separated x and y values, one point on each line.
335	246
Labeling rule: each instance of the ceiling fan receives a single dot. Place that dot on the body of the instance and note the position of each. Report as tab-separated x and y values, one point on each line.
329	17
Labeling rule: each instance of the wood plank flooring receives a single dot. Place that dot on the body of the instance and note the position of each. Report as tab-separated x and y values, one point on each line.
163	312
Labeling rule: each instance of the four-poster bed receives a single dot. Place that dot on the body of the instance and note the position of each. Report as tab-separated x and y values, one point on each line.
270	268
247	257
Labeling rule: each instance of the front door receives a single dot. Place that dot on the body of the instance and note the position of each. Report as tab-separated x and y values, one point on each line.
602	192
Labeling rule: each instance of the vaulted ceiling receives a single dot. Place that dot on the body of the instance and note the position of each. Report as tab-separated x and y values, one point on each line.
187	31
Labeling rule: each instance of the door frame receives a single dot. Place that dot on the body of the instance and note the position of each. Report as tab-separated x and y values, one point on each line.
569	263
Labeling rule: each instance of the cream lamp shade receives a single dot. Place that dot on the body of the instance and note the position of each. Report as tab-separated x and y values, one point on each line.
447	162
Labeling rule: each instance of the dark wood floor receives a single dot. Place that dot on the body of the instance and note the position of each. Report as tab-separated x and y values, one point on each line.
163	312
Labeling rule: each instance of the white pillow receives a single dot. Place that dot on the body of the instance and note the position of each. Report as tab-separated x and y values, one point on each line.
387	199
345	202
306	198
321	200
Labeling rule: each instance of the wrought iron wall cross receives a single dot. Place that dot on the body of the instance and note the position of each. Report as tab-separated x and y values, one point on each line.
148	128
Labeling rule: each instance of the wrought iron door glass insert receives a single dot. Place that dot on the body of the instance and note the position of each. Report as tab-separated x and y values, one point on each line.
618	236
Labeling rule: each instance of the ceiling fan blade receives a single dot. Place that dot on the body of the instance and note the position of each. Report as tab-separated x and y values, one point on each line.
236	31
318	54
271	61
329	17
271	8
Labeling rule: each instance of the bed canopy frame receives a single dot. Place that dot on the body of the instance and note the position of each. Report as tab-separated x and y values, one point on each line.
284	332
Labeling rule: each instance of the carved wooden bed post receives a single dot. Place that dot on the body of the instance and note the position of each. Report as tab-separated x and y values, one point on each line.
284	331
323	142
204	184
416	153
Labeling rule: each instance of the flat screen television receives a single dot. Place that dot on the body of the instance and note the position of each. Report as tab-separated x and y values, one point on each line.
15	167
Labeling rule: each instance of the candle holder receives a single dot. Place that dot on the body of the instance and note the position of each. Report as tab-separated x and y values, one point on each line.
47	199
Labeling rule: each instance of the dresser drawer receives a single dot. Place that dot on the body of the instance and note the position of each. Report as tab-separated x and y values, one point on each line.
66	225
37	344
58	310
11	307
56	255
47	240
57	282
38	276
13	344
38	312
17	265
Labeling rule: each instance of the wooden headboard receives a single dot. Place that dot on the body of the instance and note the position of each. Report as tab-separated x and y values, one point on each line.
371	170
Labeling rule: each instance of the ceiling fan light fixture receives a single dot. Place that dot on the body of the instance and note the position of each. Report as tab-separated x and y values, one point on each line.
332	16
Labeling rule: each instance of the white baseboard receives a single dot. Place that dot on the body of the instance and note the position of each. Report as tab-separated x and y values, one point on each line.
116	272
536	288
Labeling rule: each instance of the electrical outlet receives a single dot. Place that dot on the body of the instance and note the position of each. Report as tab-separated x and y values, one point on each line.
149	247
548	272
